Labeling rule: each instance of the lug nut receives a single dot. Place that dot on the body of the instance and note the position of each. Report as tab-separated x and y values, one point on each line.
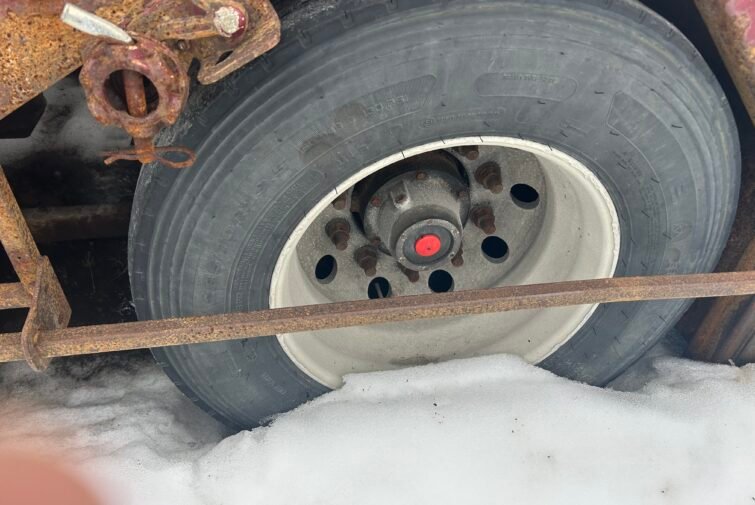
458	260
412	275
366	258
482	216
338	230
469	152
489	176
421	176
340	202
376	201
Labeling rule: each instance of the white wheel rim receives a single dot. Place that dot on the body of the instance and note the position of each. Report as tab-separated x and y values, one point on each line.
579	239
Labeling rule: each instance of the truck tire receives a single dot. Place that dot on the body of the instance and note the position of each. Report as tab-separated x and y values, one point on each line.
605	87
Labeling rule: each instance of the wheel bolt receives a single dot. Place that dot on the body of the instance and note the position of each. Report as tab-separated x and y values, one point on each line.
482	216
412	275
489	176
469	152
366	258
340	202
421	176
376	201
458	260
338	230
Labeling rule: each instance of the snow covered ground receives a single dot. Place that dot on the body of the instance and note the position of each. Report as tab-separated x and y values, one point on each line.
488	430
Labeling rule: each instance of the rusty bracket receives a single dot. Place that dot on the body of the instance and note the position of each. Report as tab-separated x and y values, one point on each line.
38	289
153	55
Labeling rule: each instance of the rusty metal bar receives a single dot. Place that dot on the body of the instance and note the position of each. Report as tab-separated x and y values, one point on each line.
739	337
79	222
710	339
14	295
214	328
732	25
16	237
48	307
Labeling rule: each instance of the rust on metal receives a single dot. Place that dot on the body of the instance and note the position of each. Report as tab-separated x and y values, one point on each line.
732	25
13	295
215	328
144	59
715	339
78	222
15	236
38	49
49	310
202	25
39	288
740	337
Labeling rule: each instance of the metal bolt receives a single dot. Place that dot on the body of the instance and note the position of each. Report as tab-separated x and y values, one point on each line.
412	275
489	176
338	230
366	258
182	45
376	201
482	216
458	260
340	202
469	152
421	176
228	21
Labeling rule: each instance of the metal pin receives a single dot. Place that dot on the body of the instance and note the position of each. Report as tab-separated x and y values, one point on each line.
86	22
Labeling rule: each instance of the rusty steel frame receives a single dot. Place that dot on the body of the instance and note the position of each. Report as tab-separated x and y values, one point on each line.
214	328
38	289
40	49
731	23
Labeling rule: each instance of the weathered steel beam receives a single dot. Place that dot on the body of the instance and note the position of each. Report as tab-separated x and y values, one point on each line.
38	49
16	237
721	336
731	23
48	307
79	222
14	295
214	328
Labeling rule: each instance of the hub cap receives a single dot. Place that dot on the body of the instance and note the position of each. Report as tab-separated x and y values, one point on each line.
459	214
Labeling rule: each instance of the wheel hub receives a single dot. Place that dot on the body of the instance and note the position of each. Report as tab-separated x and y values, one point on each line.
418	216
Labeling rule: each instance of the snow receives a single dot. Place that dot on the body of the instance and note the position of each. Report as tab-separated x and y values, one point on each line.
484	430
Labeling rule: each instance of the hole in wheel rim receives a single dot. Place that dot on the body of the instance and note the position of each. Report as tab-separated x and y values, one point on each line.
440	281
494	249
326	268
379	287
525	196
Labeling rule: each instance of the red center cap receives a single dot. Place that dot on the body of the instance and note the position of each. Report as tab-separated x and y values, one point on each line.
427	245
